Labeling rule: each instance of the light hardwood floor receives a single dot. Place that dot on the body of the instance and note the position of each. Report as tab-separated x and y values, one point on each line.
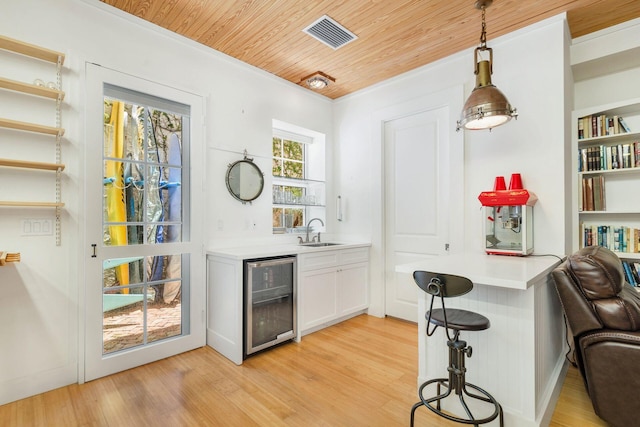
361	372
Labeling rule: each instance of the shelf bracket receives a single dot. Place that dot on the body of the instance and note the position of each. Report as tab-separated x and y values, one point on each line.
58	151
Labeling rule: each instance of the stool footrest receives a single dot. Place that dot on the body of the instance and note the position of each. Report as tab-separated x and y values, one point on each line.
483	396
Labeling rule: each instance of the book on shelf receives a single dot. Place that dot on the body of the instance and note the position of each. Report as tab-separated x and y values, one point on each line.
624	125
621	239
593	194
581	129
631	269
609	157
628	275
635	270
598	193
597	125
626	156
587	193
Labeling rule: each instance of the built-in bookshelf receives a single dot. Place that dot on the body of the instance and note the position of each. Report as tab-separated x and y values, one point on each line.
608	167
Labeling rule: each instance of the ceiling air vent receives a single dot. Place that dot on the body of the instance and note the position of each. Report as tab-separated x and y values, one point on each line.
330	32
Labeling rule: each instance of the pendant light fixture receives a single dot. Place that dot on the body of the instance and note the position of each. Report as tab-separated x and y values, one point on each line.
486	107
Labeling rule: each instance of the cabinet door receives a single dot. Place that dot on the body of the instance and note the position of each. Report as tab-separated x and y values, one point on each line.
317	297
353	288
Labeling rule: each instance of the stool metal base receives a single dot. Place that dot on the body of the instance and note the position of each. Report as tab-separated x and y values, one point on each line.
484	396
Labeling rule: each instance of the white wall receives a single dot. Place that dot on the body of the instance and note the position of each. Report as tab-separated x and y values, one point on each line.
40	305
529	67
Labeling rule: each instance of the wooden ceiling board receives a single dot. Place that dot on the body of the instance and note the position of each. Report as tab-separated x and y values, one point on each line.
393	36
600	14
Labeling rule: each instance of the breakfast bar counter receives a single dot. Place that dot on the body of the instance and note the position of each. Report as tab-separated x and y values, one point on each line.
520	358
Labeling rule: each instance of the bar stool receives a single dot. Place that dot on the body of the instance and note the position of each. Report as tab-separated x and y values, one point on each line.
441	286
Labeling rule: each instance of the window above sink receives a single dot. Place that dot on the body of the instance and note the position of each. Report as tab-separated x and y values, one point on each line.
298	170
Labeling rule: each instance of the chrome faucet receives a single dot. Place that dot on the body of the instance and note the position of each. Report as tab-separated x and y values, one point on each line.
309	226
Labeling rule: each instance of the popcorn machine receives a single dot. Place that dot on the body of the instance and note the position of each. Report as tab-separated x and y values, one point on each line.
508	218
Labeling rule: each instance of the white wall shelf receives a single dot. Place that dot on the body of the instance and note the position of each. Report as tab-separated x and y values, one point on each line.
55	93
611	171
608	138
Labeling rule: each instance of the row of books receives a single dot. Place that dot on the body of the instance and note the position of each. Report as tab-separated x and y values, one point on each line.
609	157
632	272
615	238
593	194
600	125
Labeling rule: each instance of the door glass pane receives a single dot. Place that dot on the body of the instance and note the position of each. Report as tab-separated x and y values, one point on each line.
142	205
142	301
142	175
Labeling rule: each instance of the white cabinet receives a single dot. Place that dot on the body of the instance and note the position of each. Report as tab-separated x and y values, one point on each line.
224	306
318	297
608	163
333	285
353	288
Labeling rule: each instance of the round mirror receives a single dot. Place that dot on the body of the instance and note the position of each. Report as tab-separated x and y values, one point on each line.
244	180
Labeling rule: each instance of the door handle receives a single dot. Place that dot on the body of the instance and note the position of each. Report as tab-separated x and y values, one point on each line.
93	245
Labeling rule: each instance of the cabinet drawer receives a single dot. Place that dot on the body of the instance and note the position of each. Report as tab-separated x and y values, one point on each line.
318	260
332	258
350	256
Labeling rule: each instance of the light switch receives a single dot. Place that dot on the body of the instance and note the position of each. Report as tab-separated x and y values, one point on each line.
37	227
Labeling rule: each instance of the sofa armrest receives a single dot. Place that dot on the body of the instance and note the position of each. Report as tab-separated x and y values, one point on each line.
611	360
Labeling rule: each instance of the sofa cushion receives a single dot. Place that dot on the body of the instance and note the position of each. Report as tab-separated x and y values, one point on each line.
600	275
599	272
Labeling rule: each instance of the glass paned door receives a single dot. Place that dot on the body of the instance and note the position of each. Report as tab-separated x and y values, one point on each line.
141	301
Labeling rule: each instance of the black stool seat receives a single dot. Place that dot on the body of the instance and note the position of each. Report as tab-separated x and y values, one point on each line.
460	320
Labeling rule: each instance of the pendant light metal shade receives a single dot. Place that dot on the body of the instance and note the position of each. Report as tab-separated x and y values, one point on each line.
486	107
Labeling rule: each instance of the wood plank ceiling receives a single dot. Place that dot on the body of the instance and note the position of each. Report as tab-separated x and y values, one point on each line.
394	36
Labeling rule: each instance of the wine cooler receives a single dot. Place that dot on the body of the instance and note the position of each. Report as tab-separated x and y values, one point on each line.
269	302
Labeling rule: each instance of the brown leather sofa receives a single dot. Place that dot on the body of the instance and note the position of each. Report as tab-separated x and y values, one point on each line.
603	315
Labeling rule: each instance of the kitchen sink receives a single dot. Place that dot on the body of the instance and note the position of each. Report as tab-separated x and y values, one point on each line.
320	244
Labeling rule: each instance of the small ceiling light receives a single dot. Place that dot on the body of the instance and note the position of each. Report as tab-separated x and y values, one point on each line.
318	80
486	107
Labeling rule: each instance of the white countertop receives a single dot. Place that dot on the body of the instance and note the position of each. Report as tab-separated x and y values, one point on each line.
491	270
262	251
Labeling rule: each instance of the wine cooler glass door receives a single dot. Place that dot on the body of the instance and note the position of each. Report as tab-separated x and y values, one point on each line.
270	312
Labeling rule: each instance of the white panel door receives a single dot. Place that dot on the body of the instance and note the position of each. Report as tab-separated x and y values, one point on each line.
416	201
144	267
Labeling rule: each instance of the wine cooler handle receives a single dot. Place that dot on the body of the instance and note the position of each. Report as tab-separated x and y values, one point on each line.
271	299
271	263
